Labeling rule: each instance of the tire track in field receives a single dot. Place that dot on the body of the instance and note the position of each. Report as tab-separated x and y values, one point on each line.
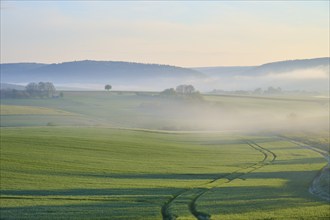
202	189
314	189
165	208
266	161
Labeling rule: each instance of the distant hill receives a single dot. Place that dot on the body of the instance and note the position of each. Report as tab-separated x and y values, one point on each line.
11	86
274	67
224	70
289	65
305	74
91	72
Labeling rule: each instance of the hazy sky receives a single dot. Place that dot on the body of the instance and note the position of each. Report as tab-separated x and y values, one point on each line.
196	33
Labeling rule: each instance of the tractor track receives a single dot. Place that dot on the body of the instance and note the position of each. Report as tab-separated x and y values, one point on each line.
165	212
313	188
202	189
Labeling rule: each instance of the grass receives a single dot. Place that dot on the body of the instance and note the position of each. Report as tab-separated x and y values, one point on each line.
148	111
30	110
276	191
79	158
83	173
319	139
65	169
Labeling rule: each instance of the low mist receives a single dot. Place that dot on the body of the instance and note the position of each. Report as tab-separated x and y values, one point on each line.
312	80
236	114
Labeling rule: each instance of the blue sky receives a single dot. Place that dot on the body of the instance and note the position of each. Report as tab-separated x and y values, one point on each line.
197	33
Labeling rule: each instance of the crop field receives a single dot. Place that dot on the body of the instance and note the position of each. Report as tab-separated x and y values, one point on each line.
149	111
94	155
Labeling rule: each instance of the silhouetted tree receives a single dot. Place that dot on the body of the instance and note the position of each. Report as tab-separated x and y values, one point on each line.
272	90
49	89
258	91
185	89
32	89
107	87
168	92
42	89
186	92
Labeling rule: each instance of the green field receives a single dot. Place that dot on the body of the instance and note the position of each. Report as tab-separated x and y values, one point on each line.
126	156
149	111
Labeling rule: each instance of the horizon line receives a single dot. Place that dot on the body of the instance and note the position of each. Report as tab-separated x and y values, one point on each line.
135	62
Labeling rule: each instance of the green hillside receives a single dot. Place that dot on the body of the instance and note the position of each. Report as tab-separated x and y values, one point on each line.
99	155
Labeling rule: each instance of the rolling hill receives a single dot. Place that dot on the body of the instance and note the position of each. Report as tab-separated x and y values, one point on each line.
264	69
90	71
306	74
11	86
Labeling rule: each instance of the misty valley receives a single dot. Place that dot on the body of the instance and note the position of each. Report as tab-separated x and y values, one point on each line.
175	154
164	110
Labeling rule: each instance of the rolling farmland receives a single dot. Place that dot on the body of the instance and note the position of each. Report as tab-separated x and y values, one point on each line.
164	110
94	155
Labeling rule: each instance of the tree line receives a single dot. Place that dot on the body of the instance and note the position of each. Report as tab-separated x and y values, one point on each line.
182	91
32	90
258	91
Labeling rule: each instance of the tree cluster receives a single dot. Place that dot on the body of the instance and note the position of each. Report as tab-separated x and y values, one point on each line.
269	91
182	91
259	91
32	90
42	89
185	89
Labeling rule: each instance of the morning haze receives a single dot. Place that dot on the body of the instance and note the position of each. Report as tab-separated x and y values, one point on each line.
188	34
164	110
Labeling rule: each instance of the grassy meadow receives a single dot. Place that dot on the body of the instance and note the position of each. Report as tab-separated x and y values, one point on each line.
99	155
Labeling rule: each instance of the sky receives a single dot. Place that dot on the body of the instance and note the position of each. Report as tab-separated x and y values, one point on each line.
181	33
